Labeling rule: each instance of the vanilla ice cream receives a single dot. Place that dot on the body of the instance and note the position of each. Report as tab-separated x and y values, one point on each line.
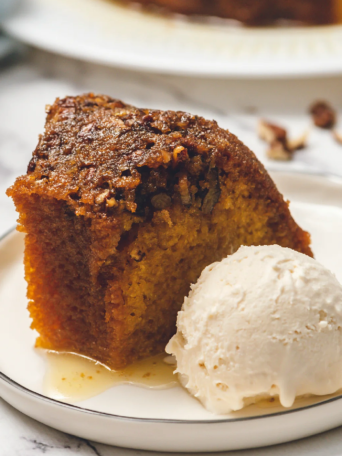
265	321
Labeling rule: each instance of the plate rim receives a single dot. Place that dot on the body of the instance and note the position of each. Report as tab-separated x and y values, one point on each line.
54	402
60	404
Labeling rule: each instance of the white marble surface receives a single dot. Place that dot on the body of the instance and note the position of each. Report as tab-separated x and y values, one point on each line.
26	85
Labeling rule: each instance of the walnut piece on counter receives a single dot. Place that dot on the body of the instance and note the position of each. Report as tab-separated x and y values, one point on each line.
337	136
279	151
270	132
281	148
323	114
299	142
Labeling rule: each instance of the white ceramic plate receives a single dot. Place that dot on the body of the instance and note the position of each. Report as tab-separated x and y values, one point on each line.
167	420
104	32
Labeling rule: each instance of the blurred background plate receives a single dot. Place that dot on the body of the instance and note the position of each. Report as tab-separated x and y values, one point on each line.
7	45
102	31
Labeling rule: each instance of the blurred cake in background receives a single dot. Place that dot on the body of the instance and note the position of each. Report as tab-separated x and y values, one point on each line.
255	12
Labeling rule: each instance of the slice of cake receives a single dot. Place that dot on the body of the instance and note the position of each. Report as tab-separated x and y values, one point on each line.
122	209
254	12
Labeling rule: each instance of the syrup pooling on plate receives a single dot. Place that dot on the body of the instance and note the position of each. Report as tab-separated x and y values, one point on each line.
73	377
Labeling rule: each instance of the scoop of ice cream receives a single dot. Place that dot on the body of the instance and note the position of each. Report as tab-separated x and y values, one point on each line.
265	321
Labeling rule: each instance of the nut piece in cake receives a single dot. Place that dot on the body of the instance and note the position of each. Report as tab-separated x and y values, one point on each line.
122	209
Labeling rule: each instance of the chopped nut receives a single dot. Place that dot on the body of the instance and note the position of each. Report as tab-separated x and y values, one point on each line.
182	124
213	195
337	136
166	156
43	180
210	200
179	154
116	122
86	130
161	201
298	143
81	210
161	126
324	116
130	206
111	202
175	135
101	197
281	148
147	118
165	216
278	151
137	255
271	132
178	150
91	174
183	185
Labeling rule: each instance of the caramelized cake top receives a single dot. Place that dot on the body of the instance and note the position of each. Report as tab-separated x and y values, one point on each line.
102	155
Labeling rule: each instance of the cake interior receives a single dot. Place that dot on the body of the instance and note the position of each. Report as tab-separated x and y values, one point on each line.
113	293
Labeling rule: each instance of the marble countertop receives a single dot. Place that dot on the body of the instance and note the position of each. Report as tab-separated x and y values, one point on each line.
28	83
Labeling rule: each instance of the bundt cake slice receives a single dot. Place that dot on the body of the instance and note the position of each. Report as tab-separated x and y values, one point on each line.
122	209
